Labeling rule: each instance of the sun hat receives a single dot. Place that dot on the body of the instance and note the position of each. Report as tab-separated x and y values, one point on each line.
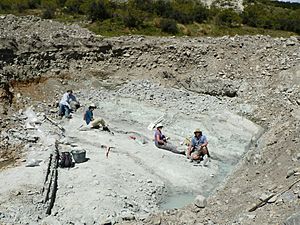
197	131
92	105
159	125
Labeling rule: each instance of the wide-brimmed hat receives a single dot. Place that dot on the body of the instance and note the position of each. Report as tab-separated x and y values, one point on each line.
159	125
93	105
197	131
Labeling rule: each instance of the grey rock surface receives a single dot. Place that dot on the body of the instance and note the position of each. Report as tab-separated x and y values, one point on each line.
242	89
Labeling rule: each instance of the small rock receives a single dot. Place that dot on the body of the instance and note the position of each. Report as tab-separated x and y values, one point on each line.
290	173
33	162
128	216
200	201
156	221
273	199
106	222
290	43
251	217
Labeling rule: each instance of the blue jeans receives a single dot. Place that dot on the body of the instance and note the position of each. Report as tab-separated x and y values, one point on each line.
64	110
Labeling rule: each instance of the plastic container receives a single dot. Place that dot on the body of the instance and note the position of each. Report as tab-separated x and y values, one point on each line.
79	156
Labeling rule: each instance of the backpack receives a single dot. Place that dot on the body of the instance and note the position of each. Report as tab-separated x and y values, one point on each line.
66	160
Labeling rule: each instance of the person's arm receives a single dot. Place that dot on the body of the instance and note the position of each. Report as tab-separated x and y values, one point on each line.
157	137
72	98
192	144
92	116
205	142
190	148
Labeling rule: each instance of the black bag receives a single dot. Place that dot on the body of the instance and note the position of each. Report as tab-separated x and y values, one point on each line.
66	160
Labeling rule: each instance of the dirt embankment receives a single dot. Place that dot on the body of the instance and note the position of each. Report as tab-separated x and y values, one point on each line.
254	77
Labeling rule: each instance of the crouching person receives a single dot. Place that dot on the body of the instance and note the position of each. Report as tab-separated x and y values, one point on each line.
161	141
197	149
64	104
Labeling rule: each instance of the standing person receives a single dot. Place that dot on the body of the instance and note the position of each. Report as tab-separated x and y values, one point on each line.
198	146
161	141
64	104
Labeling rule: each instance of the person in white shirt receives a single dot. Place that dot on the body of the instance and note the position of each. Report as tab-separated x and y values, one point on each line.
64	104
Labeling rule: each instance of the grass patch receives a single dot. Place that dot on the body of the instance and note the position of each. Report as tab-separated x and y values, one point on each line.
197	29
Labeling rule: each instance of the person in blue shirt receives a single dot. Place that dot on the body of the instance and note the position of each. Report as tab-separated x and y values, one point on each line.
198	147
160	141
94	123
89	116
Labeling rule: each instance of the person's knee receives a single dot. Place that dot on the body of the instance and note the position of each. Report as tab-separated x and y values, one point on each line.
204	150
195	156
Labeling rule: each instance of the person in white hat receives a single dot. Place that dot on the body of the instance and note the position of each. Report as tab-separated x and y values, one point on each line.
198	146
88	115
161	141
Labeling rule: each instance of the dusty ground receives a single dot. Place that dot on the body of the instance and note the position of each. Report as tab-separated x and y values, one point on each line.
136	177
243	92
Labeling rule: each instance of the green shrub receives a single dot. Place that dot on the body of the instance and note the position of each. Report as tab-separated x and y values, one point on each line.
253	15
5	5
48	13
133	19
162	8
271	17
49	7
73	6
228	17
144	5
34	4
200	13
169	26
98	10
20	5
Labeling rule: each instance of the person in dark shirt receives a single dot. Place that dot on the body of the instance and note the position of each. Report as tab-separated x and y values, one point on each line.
161	141
94	123
89	116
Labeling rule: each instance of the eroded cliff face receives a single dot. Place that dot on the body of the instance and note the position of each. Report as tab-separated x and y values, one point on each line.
256	77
